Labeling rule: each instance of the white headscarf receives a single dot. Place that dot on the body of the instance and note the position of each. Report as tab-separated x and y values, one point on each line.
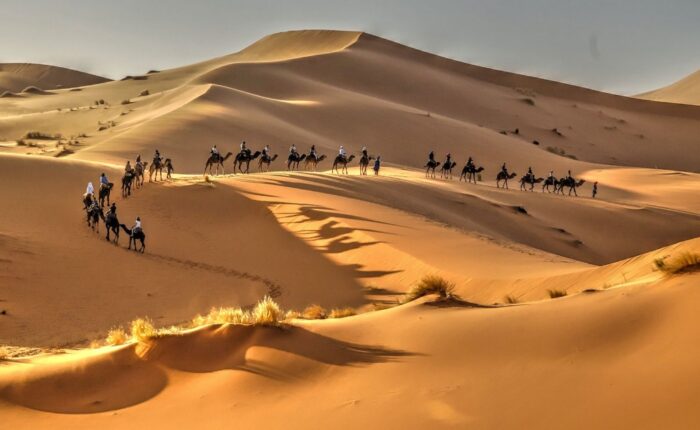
90	188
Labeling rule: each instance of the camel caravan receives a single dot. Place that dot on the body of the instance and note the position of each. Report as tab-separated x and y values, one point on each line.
133	178
215	163
471	173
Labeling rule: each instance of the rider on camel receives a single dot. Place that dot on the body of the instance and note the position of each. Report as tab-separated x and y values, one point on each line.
504	170
137	226
244	149
448	160
312	152
470	164
530	176
342	153
266	152
364	152
431	157
104	182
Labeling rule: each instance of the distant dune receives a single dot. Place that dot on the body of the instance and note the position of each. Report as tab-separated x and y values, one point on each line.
16	76
686	91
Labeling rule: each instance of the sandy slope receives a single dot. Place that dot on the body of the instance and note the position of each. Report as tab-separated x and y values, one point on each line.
622	357
686	91
15	77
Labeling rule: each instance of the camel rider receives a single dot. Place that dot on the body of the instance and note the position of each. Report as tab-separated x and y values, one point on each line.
431	157
112	210
138	158
504	169
137	226
470	164
312	152
104	182
293	150
214	150
266	152
551	176
364	152
90	190
342	153
569	177
244	149
128	168
448	160
156	158
530	175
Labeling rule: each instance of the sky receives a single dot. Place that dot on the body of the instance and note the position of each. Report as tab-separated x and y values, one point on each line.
620	46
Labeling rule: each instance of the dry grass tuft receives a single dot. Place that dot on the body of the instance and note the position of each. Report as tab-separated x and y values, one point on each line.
266	312
511	299
684	262
555	294
431	284
117	336
142	330
223	316
314	312
292	315
342	313
4	354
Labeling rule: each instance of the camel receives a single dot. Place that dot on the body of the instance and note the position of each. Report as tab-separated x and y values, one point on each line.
528	179
244	157
266	161
364	162
218	160
94	213
112	223
571	183
430	168
550	182
134	236
340	160
312	161
469	173
139	175
104	193
127	179
293	161
169	169
157	168
503	177
446	171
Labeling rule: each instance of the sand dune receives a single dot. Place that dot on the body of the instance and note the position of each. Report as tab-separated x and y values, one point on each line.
685	91
17	76
616	352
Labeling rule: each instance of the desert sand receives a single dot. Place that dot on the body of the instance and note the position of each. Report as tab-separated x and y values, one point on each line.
617	350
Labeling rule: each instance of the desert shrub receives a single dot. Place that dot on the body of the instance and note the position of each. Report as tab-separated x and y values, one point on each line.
144	93
38	135
430	284
117	336
142	330
21	142
292	315
126	102
681	263
555	294
314	312
102	128
511	299
529	101
223	316
266	312
342	313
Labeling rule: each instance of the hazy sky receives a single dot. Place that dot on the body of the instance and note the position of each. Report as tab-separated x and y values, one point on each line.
623	46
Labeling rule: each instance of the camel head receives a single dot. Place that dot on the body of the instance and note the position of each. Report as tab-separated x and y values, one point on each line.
512	175
352	157
480	169
303	157
580	182
274	157
321	158
256	154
